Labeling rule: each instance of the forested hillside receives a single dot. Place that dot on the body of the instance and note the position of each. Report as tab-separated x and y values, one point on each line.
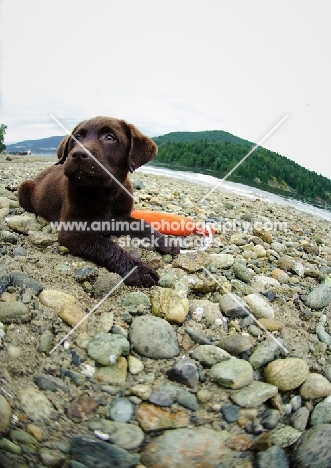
220	152
191	137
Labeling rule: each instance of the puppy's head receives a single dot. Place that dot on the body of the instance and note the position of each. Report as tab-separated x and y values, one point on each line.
102	148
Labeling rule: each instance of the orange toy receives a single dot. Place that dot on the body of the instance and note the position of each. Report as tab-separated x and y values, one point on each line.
168	223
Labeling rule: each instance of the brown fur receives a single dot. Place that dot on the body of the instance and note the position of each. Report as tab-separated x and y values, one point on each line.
78	189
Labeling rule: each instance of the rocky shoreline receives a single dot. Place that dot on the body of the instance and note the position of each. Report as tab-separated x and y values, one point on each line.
226	363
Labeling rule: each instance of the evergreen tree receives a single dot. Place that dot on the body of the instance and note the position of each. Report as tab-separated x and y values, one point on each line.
2	137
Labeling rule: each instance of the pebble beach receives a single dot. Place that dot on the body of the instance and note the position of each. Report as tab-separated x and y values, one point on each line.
226	363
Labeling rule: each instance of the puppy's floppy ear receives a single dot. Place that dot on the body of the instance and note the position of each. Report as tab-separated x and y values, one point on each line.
62	151
142	149
63	148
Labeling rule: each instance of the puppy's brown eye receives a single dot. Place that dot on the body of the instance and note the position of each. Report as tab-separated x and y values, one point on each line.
110	137
77	136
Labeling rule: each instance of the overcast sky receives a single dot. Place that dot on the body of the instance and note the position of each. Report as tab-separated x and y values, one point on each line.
238	66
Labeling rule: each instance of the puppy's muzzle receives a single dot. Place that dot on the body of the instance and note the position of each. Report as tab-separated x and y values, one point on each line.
79	155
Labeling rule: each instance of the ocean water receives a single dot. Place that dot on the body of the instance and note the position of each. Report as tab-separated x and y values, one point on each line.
236	188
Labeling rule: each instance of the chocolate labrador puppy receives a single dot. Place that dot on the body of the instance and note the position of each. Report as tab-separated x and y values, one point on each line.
90	184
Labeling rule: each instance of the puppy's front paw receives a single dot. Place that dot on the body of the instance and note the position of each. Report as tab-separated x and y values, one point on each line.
142	277
167	245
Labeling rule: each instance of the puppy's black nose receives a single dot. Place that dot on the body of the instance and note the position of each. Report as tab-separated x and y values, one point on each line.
79	154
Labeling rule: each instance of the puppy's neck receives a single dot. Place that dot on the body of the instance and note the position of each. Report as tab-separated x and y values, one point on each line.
86	196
